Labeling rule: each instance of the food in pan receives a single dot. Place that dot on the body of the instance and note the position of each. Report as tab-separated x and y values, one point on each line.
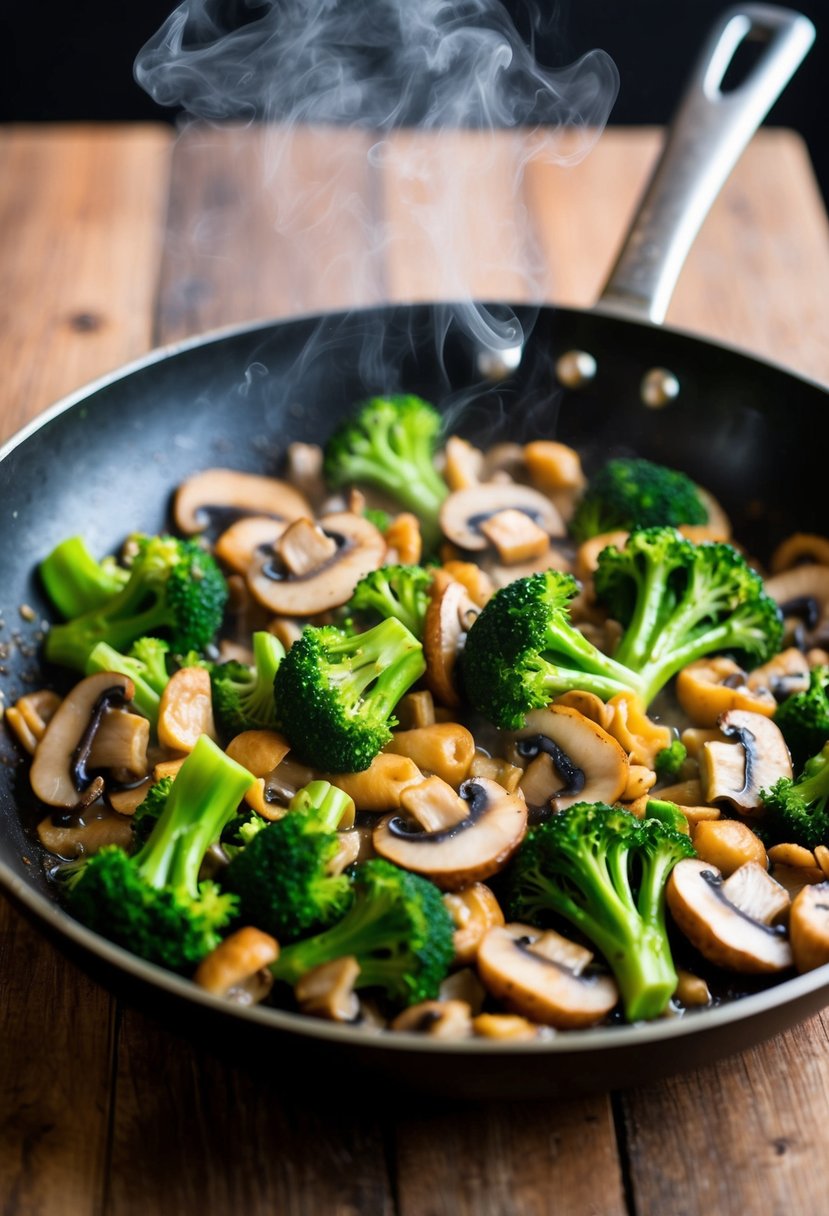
425	737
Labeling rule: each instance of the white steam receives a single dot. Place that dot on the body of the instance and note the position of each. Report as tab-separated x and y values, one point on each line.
396	73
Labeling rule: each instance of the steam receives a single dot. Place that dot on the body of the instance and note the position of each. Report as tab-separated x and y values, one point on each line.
397	71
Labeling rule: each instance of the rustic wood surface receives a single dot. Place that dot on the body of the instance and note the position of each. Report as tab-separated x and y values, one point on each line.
115	239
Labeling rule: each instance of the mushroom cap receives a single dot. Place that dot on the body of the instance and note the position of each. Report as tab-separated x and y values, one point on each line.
809	927
238	545
803	591
361	548
737	772
462	512
722	933
231	489
539	987
575	759
472	850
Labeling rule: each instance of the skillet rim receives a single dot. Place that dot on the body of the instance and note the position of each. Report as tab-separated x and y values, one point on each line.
50	916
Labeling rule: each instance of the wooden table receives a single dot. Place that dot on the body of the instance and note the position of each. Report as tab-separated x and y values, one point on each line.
115	239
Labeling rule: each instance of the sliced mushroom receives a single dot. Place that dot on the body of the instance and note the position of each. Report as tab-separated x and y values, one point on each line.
303	548
260	752
305	472
571	759
803	596
474	911
185	711
328	992
470	851
463	512
239	544
541	977
784	675
809	927
710	687
434	805
379	787
505	1026
515	535
238	968
450	613
800	548
729	921
444	749
438	1019
120	743
403	540
224	492
30	715
638	735
60	769
728	844
737	772
360	548
82	831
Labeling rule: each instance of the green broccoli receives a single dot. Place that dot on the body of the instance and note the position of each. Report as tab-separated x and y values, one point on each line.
804	717
669	760
635	493
390	444
394	591
397	927
152	903
282	877
336	692
145	664
75	582
148	812
243	696
174	586
605	871
797	812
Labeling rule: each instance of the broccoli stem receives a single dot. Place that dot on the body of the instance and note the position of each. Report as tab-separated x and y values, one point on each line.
326	804
366	929
374	659
75	582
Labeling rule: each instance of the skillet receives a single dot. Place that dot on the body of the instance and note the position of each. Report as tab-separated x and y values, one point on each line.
745	429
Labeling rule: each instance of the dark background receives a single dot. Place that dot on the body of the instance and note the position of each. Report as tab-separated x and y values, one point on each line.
73	60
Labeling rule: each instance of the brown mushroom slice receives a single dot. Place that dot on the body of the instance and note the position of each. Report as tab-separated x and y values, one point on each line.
121	742
803	596
403	540
437	1019
474	911
541	977
448	618
638	735
30	715
185	711
60	769
239	544
463	512
463	464
728	844
444	749
303	547
710	687
784	675
84	831
809	927
737	772
238	967
228	490
799	548
304	470
472	850
571	759
360	548
327	991
516	536
730	936
434	805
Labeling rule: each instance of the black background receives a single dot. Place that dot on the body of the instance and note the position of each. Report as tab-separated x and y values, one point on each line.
73	60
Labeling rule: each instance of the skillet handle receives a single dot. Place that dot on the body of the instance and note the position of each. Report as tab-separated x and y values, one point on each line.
704	142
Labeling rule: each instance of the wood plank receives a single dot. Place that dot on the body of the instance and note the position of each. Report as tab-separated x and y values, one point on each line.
527	1159
746	1135
84	208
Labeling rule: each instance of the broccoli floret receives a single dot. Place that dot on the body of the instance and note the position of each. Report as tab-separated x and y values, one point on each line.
375	515
145	664
605	871
152	903
668	813
669	760
75	582
804	717
148	812
243	696
174	586
283	877
521	651
394	591
797	812
678	601
635	493
398	928
390	444
336	692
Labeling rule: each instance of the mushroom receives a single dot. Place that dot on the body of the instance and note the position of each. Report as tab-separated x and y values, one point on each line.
379	787
737	772
238	968
800	548
783	675
359	548
710	687
238	545
450	613
516	536
120	744
328	992
803	596
463	463
541	976
728	844
730	921
445	749
639	736
304	470
185	711
505	1026
474	911
228	493
571	759
809	927
30	715
404	541
260	752
466	851
438	1019
60	769
464	511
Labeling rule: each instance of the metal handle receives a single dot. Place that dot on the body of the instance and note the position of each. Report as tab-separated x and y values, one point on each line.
706	138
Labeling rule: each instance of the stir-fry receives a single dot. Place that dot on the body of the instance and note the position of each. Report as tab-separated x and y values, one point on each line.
422	737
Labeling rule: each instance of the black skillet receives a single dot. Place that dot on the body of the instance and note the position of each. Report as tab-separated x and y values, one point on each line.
104	463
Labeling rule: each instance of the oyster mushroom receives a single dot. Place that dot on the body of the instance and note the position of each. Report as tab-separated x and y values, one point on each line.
541	976
730	921
803	596
571	759
358	548
737	772
465	851
60	769
229	492
463	512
